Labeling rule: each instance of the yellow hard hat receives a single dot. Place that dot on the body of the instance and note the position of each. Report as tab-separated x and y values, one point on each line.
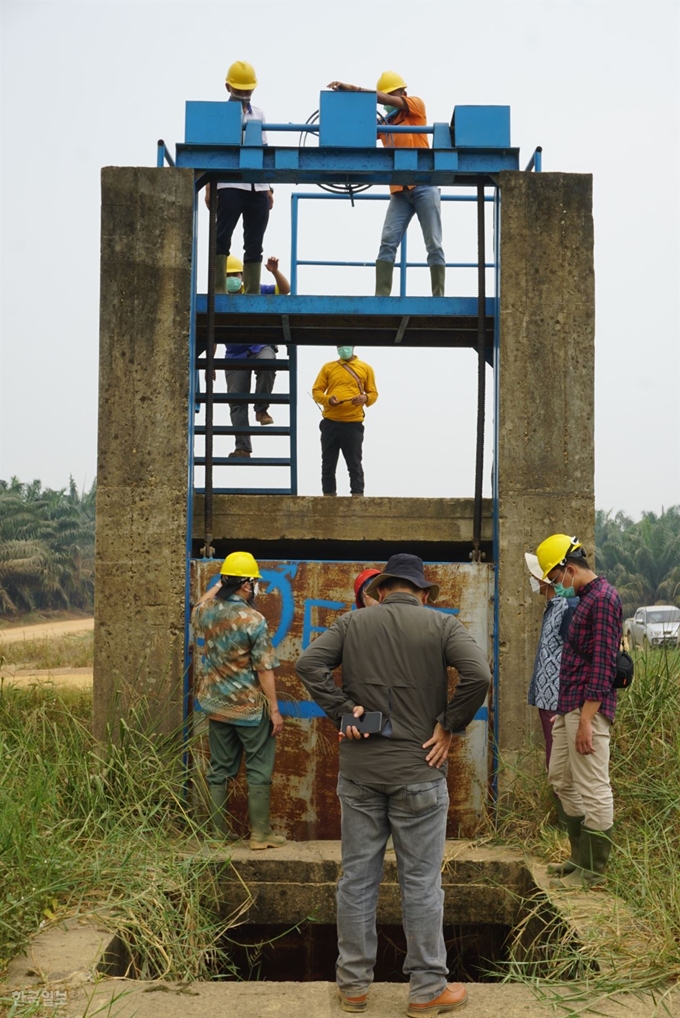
241	75
554	550
241	563
390	81
234	264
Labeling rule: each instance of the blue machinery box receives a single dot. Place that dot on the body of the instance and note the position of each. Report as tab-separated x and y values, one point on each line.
348	120
481	127
208	123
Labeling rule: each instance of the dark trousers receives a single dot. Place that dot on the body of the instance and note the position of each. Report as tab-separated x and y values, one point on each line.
346	437
232	203
546	725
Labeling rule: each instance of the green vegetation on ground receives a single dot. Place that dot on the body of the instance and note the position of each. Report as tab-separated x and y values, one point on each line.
643	871
102	831
75	650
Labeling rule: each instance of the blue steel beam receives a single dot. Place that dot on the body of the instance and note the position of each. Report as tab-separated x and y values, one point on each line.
307	304
276	165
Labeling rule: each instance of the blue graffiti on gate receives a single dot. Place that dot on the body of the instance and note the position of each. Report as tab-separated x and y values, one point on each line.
279	579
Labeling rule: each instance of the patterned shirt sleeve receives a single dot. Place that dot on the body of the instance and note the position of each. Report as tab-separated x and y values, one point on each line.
262	653
606	627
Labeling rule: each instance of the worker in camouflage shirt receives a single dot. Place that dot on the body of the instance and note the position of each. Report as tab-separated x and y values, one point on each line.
235	687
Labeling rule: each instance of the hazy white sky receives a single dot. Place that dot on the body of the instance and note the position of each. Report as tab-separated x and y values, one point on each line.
85	85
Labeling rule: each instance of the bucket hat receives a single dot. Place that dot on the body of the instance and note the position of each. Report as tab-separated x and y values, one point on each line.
404	567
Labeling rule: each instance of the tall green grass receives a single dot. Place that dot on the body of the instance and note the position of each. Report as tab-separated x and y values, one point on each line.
101	832
75	650
645	771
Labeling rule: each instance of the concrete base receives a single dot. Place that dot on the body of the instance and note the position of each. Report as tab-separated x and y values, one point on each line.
292	883
320	1000
63	959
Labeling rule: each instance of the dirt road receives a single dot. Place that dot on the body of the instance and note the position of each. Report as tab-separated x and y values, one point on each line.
46	629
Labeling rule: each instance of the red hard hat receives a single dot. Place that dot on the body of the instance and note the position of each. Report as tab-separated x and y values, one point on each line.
360	581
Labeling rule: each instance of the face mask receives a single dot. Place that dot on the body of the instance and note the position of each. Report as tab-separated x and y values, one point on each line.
234	284
564	591
345	352
389	110
535	585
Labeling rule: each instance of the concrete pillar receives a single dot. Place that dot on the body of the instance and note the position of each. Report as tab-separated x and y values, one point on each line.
546	378
142	472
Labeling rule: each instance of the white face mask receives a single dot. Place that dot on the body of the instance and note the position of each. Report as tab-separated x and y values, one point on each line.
535	585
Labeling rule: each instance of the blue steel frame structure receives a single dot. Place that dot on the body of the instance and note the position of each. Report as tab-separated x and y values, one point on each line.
219	147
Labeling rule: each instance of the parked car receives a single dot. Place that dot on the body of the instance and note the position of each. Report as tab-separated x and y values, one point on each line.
657	625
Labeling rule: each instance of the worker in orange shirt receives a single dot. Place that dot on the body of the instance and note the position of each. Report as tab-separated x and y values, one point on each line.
342	389
423	200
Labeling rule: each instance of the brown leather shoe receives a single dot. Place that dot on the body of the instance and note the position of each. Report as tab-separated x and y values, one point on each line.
450	999
355	1005
239	454
262	417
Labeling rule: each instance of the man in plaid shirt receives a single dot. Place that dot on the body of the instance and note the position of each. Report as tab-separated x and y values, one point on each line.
579	764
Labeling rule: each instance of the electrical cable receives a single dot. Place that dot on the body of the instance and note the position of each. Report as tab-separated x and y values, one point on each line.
340	188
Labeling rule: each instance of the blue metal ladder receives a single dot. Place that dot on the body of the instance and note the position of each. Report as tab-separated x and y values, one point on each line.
289	399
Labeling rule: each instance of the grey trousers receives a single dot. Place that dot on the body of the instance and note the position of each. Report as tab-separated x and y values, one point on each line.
239	381
415	815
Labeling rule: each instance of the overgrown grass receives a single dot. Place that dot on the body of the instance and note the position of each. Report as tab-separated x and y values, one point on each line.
100	834
644	868
75	650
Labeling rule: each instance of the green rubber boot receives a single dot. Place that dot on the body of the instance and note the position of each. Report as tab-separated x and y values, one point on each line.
261	835
595	847
252	272
574	828
438	280
220	273
218	812
383	278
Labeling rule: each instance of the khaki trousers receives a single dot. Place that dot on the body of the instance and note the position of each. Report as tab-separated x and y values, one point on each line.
582	782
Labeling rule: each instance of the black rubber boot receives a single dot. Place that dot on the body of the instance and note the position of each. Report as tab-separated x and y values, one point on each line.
220	273
438	279
218	812
383	278
261	835
574	827
252	271
595	847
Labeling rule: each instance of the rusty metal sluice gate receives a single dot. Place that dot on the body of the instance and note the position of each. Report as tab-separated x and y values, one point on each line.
301	599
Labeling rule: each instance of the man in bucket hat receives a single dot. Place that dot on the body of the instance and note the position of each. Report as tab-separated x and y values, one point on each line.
394	660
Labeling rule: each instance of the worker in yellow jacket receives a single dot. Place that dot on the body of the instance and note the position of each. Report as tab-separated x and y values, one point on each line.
343	388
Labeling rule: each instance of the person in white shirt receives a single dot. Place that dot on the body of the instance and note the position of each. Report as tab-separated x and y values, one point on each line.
252	201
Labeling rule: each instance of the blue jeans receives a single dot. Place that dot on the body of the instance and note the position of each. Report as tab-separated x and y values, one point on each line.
423	201
415	815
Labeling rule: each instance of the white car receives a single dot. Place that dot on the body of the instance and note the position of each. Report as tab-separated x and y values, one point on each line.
657	625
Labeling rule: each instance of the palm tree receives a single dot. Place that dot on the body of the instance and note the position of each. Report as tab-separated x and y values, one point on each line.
46	546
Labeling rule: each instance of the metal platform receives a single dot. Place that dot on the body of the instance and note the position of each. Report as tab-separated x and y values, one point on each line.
358	321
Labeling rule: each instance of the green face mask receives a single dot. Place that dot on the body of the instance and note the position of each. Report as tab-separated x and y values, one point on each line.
234	284
345	353
562	591
389	110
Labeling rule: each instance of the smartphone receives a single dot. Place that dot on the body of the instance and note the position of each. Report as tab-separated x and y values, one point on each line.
371	721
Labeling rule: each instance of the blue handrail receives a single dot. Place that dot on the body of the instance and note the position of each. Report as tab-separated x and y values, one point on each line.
536	161
403	264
